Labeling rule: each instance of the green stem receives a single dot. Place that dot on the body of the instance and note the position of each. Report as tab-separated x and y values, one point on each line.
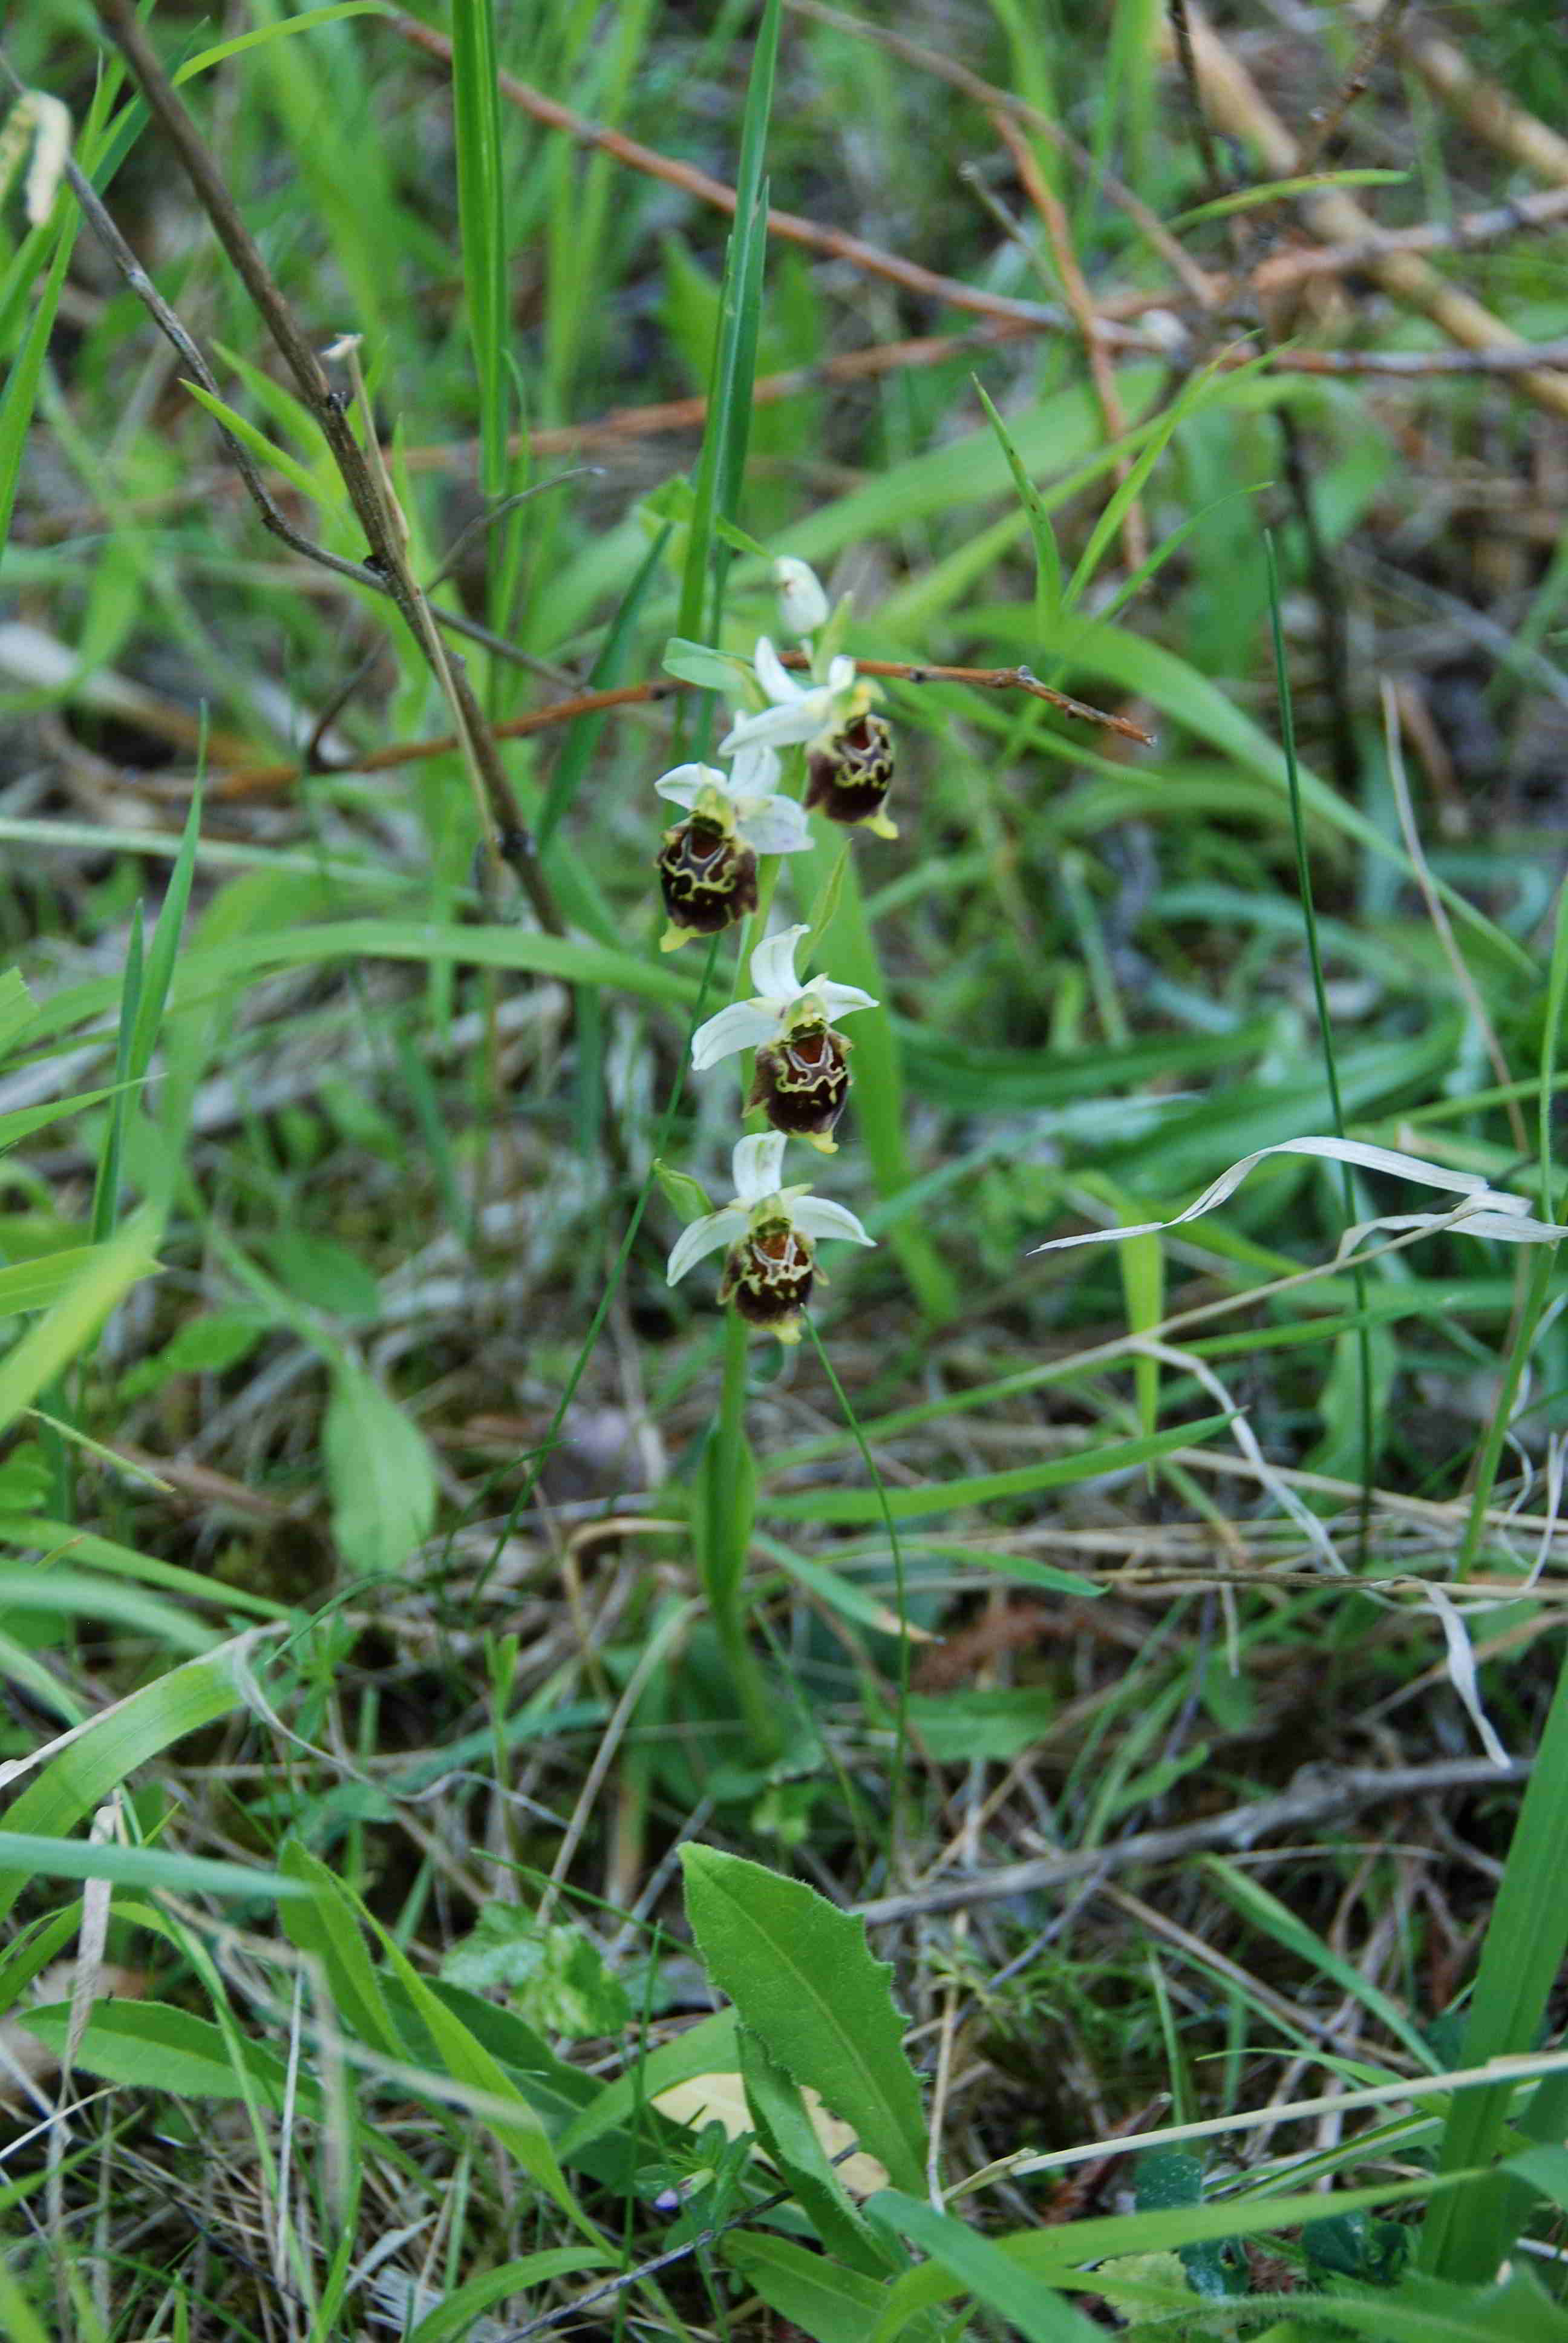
1540	1269
1368	1434
727	1545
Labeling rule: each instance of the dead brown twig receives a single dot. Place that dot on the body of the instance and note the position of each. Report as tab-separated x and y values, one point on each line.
252	780
365	488
833	243
1317	1792
1196	280
1325	127
1234	102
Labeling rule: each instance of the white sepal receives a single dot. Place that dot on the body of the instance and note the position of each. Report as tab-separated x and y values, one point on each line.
773	965
816	1216
756	1165
744	1025
776	826
703	1237
684	784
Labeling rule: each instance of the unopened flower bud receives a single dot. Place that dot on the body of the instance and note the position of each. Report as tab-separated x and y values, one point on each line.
707	878
802	1083
802	604
849	778
769	1277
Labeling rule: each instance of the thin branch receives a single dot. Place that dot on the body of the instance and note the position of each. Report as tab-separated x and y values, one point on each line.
1459	234
1199	283
1325	127
250	780
1317	1792
509	838
1235	103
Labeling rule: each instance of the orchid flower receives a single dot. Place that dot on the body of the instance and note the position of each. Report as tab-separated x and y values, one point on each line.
797	712
782	1004
743	803
770	1266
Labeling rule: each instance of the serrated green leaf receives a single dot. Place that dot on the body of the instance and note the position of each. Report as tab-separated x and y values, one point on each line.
803	1978
557	1976
788	2138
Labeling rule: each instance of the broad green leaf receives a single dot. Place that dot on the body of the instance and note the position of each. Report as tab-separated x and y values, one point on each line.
381	1474
803	1978
788	2138
153	2047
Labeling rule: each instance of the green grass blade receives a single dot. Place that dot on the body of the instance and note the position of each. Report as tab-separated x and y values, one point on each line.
481	212
1465	2235
727	430
114	1746
984	1488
